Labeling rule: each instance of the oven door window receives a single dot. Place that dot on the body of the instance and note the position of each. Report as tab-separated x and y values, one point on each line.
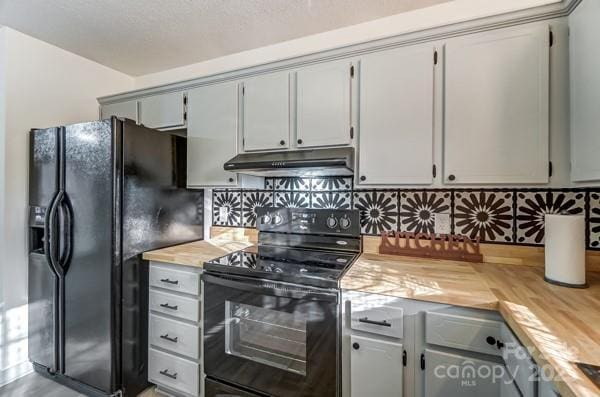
266	336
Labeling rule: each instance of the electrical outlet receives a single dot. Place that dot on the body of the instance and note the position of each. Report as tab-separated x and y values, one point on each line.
223	213
442	223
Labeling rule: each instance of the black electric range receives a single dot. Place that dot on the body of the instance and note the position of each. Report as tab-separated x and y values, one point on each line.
302	246
272	311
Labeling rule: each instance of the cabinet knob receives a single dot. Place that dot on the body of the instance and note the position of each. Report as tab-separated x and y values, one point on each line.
363	178
355	346
300	141
230	180
282	142
451	177
490	340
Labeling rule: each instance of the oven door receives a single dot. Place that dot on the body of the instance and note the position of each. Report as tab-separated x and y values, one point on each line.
275	338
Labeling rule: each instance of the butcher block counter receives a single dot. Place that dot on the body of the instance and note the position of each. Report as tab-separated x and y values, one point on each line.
562	324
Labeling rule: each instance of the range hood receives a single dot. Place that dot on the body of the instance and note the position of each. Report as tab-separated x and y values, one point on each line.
317	162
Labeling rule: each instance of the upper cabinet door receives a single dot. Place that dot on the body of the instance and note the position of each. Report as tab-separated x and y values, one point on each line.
127	109
323	105
163	111
584	45
396	117
496	107
212	134
266	109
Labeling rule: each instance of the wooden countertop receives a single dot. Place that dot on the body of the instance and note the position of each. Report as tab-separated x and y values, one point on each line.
197	252
562	325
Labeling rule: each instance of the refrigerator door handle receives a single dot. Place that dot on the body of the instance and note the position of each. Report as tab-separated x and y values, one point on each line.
67	234
50	243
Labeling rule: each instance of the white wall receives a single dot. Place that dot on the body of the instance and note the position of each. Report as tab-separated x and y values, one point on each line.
44	86
413	21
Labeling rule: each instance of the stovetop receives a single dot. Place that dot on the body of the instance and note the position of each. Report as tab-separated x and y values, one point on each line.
311	247
308	267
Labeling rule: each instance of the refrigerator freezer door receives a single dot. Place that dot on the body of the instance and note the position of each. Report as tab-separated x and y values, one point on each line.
42	281
90	285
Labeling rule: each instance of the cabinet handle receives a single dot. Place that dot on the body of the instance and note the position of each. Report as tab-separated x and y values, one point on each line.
230	180
166	373
282	142
451	177
355	346
300	141
490	340
366	320
167	306
363	178
168	281
170	339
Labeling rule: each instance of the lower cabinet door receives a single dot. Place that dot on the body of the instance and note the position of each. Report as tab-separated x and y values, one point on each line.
453	375
375	367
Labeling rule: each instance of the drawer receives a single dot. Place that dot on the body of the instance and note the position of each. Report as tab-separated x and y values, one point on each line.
381	320
174	336
463	332
519	363
173	372
175	305
175	280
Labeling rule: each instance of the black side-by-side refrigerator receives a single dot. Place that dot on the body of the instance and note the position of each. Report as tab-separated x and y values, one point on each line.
100	194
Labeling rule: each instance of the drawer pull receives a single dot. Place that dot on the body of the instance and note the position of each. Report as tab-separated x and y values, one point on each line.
490	340
355	346
167	306
166	373
168	281
366	320
170	339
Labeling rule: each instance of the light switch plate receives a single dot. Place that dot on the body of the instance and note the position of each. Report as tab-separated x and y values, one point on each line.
442	223
223	212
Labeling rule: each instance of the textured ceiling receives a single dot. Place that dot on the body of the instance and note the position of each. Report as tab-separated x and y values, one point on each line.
144	36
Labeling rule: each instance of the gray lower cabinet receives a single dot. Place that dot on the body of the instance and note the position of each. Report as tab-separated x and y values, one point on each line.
402	347
368	353
126	109
174	329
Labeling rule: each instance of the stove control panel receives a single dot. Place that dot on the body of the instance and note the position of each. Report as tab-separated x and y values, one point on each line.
308	221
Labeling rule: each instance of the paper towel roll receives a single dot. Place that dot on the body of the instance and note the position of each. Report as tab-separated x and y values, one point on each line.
565	250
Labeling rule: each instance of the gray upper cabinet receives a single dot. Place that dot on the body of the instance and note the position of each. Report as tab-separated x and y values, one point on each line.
396	116
163	111
127	109
266	112
323	104
584	45
212	134
496	107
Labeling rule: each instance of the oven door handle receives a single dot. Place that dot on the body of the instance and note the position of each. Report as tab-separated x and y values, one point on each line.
274	288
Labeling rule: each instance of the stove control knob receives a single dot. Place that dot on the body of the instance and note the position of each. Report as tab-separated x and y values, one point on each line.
266	219
277	219
332	222
345	222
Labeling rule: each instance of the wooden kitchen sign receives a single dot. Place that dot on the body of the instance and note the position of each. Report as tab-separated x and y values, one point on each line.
441	246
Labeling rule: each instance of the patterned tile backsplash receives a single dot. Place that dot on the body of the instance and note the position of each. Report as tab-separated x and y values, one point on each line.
510	216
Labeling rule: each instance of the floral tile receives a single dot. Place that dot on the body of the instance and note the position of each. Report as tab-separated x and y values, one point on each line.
594	220
418	209
232	202
299	184
336	200
332	183
269	183
533	206
250	201
378	211
292	199
484	214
